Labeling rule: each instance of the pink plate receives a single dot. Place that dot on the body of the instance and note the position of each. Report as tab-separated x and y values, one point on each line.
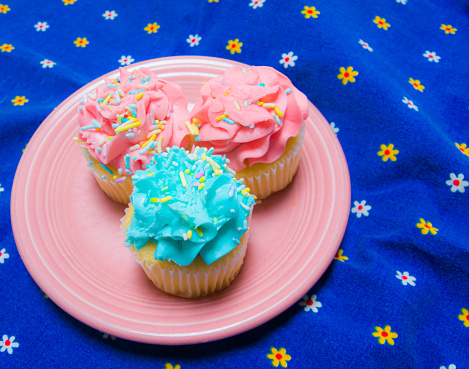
67	232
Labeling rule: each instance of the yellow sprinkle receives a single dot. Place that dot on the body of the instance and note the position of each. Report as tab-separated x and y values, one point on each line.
215	219
167	198
189	234
158	147
183	179
195	120
220	117
189	127
279	113
196	129
106	100
154	200
114	177
151	174
227	92
199	232
202	185
203	83
235	103
139	96
127	126
151	139
187	171
202	179
110	137
260	103
214	165
76	139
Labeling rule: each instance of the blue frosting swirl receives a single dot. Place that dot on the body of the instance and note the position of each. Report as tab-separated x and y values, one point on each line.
188	204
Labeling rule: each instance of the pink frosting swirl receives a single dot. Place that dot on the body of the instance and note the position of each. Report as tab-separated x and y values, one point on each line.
249	115
141	102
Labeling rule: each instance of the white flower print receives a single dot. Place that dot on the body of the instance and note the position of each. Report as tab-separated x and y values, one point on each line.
46	63
1	188
431	56
310	303
406	278
193	40
3	256
365	45
288	60
410	104
41	26
450	366
334	128
126	60
361	208
257	3
401	1
457	183
109	14
8	344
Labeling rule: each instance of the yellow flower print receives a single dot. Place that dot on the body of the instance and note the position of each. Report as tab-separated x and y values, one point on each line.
81	42
347	75
464	317
385	335
278	357
416	84
463	148
69	2
339	256
19	100
426	227
388	152
381	22
448	29
6	47
213	1
234	46
310	11
4	8
152	28
170	366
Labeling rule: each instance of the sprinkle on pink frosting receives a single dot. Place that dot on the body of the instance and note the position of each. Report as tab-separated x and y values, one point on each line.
160	98
249	132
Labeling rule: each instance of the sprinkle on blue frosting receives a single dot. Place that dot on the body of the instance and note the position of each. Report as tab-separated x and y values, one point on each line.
187	213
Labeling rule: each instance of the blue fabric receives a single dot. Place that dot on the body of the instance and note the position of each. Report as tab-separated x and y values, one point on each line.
366	289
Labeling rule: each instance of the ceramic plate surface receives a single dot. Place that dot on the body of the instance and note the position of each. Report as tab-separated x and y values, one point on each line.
67	232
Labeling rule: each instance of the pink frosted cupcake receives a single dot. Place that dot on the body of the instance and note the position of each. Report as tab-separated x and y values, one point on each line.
255	117
125	122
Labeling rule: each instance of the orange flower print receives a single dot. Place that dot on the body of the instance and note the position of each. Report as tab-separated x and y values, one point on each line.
152	28
19	100
4	8
448	29
347	75
388	152
462	148
69	2
310	11
381	22
6	47
385	335
81	42
426	227
339	256
416	84
279	357
234	46
464	317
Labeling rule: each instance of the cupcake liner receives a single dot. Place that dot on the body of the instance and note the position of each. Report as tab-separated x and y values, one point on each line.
263	179
120	191
194	280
